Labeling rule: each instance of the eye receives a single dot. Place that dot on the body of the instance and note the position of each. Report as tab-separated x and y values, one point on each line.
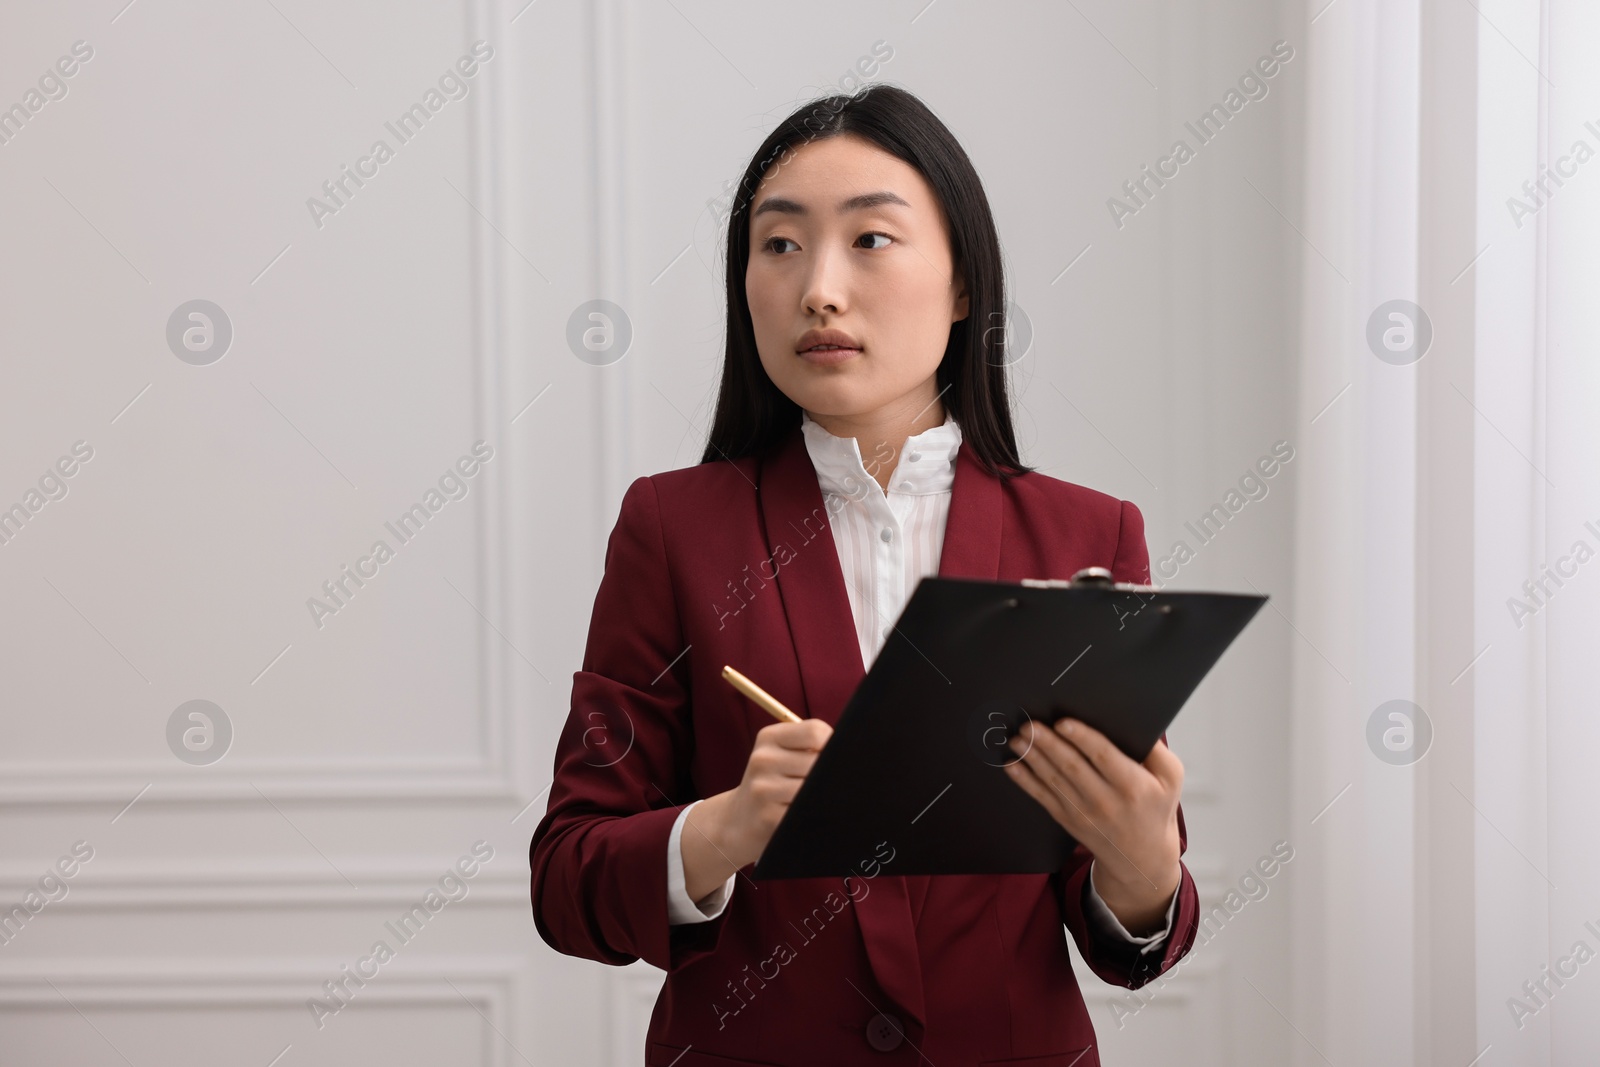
767	244
885	236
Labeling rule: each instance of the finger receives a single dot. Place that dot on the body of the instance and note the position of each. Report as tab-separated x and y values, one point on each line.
790	762
1062	805
1068	763
1114	766
1167	767
1030	784
807	735
1063	770
1088	796
1049	798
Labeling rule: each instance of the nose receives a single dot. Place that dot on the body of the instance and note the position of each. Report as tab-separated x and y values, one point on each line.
827	283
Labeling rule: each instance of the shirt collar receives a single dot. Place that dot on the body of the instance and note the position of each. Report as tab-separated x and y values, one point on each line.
927	460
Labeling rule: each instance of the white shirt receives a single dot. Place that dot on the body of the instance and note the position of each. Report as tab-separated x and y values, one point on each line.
887	542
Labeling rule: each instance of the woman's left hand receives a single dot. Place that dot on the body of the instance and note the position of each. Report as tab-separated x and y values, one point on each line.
1124	812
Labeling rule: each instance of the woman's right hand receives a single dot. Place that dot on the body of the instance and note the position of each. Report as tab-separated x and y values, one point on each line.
731	829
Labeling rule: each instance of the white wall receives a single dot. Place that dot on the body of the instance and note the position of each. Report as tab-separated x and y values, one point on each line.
427	314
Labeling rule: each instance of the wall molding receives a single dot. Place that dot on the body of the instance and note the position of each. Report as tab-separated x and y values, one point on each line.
489	986
491	775
174	887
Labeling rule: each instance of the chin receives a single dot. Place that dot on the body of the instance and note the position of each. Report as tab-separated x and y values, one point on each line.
840	402
816	393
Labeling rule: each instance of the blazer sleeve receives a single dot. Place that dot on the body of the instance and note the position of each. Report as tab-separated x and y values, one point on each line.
599	856
1114	959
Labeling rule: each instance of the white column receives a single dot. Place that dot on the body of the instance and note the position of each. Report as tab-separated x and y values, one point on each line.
1538	882
1571	381
1356	578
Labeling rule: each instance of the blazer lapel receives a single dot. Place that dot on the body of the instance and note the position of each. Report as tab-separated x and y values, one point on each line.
971	546
810	580
817	606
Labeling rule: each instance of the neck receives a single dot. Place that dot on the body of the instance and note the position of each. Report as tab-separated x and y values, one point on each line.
881	434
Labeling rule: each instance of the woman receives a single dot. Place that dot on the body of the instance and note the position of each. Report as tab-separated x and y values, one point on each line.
862	440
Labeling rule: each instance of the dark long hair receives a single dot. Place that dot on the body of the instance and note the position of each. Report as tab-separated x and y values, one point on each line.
753	415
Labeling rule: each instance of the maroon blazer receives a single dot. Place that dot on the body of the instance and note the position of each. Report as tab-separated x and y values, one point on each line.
734	563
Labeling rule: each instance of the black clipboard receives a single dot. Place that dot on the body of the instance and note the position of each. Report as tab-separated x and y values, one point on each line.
916	756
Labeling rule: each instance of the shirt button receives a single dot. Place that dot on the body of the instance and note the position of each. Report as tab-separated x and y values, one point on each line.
886	534
914	456
884	1032
905	487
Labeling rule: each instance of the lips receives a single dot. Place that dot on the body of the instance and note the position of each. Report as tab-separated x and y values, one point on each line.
829	356
827	346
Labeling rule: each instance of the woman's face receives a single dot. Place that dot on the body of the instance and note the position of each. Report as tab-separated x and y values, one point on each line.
846	237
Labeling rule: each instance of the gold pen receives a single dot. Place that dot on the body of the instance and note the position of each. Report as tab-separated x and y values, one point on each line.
759	695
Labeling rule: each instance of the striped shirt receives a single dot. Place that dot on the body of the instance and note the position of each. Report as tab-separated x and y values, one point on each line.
887	541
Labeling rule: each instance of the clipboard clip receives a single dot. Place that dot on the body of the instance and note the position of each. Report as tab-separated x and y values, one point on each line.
1090	576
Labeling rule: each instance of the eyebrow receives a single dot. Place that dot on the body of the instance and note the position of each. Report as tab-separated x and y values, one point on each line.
855	203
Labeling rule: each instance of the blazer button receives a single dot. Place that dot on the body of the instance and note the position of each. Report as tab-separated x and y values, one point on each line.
884	1032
